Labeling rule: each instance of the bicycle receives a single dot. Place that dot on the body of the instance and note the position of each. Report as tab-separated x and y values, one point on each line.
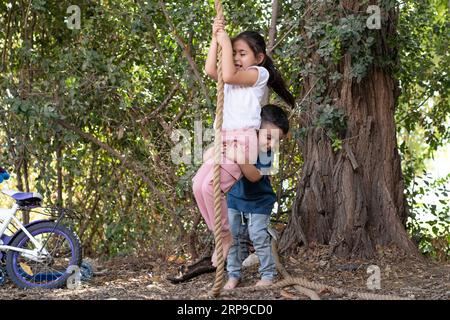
38	254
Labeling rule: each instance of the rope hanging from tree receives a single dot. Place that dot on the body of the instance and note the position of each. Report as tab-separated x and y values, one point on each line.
301	284
220	273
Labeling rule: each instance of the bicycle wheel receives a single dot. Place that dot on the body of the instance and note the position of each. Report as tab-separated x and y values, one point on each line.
64	249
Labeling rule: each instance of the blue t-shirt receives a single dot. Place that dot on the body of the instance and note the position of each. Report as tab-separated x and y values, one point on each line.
254	197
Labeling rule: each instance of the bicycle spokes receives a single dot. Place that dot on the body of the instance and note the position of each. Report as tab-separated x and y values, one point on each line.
50	266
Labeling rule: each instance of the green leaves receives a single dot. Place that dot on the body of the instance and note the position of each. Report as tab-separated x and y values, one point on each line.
423	110
429	216
423	115
39	5
334	121
360	68
338	33
108	78
331	118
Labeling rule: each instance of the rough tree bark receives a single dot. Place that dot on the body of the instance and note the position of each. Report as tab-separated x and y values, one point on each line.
353	199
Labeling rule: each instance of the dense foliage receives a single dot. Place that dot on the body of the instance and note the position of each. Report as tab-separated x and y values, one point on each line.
87	115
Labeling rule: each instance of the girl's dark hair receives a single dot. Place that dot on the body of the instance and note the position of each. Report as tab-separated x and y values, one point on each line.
275	115
256	42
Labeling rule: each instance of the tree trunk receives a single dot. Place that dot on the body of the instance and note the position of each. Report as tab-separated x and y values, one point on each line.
353	199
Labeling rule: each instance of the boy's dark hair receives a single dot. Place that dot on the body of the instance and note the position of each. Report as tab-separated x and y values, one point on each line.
274	114
256	42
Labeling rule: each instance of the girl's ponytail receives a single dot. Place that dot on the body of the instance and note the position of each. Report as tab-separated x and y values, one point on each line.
276	82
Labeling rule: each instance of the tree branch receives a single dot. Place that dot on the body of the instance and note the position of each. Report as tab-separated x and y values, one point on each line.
273	27
186	52
127	163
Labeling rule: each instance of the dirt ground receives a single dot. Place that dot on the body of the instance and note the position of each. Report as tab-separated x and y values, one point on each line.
134	278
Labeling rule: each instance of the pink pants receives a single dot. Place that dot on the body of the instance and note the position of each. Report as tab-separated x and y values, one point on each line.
230	172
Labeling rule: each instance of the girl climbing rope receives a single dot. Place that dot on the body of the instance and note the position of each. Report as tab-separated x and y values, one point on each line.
246	71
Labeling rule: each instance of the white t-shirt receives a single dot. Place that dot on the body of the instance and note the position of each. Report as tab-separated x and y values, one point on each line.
242	104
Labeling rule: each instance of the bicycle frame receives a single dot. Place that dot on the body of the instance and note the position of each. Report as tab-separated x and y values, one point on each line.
8	215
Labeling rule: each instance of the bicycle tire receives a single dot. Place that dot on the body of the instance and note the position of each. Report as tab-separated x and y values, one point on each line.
21	278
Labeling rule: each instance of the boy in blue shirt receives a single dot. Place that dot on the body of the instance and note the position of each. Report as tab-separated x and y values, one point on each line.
251	200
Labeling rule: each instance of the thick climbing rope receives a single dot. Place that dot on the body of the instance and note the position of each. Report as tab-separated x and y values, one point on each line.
281	269
307	287
220	272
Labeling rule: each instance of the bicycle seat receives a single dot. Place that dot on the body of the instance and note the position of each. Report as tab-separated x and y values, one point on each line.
24	198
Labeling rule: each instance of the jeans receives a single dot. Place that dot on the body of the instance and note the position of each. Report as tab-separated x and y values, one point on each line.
256	224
